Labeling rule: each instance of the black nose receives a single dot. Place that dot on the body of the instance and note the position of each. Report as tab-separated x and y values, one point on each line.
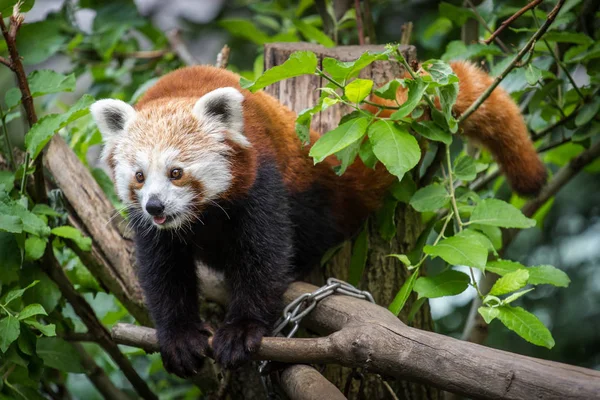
154	206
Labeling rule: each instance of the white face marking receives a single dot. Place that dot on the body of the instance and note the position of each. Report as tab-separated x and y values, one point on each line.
174	134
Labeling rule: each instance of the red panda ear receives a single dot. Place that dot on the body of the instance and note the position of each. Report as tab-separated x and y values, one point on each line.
111	116
220	112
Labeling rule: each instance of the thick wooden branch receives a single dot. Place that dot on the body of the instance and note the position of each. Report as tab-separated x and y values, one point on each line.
364	335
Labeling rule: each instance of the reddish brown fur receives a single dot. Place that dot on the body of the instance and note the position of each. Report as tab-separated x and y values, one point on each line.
497	125
269	126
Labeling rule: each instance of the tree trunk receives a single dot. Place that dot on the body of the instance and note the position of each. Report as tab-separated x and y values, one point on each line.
383	276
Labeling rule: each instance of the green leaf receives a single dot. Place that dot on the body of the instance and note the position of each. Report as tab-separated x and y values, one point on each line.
313	34
68	232
402	257
9	331
568	37
488	313
397	149
31	222
389	90
46	127
359	257
499	213
510	282
344	70
303	122
46	330
46	81
440	72
299	63
430	198
526	325
492	232
416	90
588	111
245	29
533	74
459	250
59	354
366	154
547	274
339	138
405	189
31	310
503	267
35	246
6	6
482	239
432	131
448	95
11	223
12	97
448	283
459	15
538	275
464	168
357	90
17	293
39	40
400	300
516	295
44	209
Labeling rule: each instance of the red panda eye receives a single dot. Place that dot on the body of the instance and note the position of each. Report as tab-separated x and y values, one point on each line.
176	173
139	176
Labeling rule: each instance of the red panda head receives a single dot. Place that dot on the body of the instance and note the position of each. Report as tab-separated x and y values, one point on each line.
172	156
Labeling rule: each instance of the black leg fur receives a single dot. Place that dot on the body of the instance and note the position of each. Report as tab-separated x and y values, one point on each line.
168	277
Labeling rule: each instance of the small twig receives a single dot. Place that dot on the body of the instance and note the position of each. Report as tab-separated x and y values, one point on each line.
509	21
538	135
4	60
223	57
551	146
479	18
180	48
406	33
359	23
539	33
560	64
9	34
144	54
9	149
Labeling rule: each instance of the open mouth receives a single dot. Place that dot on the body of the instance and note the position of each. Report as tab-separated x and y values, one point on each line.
160	220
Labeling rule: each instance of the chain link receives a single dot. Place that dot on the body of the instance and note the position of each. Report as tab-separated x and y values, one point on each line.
301	306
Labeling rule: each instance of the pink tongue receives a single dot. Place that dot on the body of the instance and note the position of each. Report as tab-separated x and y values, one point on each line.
160	220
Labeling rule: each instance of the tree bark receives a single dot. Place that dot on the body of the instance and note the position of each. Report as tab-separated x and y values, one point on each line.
383	276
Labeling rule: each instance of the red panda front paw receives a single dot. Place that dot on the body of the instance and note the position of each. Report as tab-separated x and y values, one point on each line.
183	351
235	342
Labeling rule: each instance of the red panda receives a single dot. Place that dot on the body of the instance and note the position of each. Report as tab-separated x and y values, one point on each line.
216	174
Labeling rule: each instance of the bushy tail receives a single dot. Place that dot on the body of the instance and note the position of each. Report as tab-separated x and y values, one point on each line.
497	125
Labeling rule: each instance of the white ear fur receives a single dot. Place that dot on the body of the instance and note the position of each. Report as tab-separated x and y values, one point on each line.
221	112
111	116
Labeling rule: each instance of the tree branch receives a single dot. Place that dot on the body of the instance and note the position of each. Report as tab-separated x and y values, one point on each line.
514	63
479	18
509	21
98	377
364	335
180	48
81	307
10	37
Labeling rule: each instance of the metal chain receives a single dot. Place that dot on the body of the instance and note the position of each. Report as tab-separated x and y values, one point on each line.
300	307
